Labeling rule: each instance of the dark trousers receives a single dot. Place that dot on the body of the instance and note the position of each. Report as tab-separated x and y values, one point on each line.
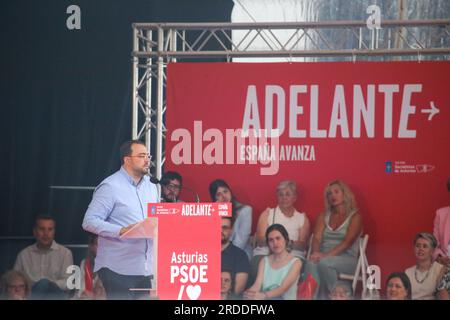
44	289
117	286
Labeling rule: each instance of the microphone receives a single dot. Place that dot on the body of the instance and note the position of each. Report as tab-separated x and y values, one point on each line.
155	180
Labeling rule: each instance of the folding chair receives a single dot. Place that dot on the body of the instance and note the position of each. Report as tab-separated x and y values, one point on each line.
361	269
308	252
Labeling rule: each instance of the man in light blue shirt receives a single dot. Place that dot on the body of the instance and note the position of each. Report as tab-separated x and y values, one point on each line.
118	203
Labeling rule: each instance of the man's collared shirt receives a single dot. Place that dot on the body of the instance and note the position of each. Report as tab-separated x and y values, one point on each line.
48	264
118	202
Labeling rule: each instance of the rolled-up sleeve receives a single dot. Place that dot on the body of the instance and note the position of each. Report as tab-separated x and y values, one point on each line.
95	219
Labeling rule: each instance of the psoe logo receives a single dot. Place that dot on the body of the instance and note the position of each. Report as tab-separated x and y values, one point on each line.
424	168
152	210
388	167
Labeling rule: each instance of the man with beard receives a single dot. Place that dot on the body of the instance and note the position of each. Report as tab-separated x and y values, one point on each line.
119	203
234	259
171	184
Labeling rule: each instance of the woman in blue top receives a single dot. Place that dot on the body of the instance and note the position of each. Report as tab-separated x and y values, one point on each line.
278	273
220	191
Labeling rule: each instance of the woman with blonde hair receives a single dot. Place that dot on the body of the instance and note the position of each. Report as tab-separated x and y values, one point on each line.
425	275
335	242
14	285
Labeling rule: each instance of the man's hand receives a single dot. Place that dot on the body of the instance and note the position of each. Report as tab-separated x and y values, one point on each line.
254	295
316	257
125	229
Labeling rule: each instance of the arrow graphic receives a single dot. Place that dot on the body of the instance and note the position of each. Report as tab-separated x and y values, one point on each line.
432	111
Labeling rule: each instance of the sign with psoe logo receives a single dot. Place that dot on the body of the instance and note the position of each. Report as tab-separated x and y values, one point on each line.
403	167
188	249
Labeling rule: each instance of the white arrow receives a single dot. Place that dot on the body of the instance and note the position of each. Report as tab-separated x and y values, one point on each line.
431	111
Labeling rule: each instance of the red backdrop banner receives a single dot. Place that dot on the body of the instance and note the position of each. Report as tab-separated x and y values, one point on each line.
382	127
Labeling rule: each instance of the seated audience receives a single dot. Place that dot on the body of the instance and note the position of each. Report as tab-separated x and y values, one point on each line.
99	292
335	242
341	292
220	191
171	184
279	272
443	288
226	283
45	262
398	286
91	286
14	285
226	292
442	234
426	274
296	224
234	259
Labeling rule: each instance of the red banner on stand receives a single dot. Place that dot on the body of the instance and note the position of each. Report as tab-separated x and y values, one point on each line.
188	249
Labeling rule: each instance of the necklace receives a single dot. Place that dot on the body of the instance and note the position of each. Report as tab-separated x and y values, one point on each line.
424	278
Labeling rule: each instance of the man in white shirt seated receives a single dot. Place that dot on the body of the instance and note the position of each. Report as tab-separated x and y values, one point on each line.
45	262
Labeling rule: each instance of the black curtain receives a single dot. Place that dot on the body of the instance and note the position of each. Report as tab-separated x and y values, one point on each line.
66	104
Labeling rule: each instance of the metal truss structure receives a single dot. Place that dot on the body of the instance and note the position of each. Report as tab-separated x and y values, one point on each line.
157	44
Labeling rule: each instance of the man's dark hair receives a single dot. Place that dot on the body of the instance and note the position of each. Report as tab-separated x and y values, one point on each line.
231	220
125	148
43	217
171	175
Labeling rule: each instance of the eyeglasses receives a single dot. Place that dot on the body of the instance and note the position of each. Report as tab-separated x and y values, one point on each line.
287	195
173	187
18	286
142	156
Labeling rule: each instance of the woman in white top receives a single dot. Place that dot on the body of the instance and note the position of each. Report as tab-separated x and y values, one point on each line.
426	274
296	223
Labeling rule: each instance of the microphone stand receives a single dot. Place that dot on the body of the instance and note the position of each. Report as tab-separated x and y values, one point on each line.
197	198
